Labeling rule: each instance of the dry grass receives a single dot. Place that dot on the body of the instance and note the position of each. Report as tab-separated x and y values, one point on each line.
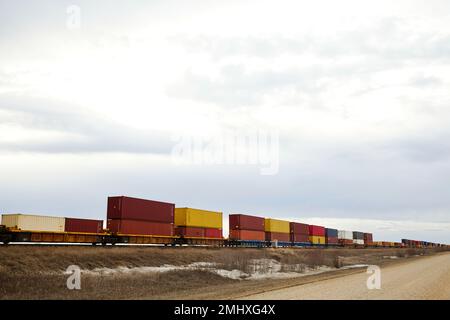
25	259
36	272
117	286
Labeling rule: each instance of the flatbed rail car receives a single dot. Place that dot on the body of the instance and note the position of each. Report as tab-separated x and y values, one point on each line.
16	235
24	236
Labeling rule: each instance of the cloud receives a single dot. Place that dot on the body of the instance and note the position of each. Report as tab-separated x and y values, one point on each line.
390	38
238	87
430	148
70	129
359	98
422	80
384	54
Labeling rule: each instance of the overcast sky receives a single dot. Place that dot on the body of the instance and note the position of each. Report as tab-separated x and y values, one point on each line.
357	93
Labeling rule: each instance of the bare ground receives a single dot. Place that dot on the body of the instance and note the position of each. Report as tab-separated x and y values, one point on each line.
424	278
36	272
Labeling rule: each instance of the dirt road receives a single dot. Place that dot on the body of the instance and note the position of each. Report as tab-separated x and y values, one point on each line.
423	278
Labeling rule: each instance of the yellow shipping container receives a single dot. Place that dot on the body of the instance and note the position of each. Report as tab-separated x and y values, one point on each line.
317	240
274	225
188	217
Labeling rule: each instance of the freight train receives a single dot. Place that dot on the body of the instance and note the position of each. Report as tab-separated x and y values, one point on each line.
140	221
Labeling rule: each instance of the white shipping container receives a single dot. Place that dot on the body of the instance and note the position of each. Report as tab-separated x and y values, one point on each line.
343	234
358	241
33	222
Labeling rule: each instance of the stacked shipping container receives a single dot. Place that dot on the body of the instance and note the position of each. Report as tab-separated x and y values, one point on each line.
299	232
191	222
132	216
245	227
316	234
413	243
358	237
139	216
368	239
277	230
345	238
331	236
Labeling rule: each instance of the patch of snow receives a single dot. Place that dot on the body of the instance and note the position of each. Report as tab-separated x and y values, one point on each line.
354	266
285	275
258	269
390	257
233	274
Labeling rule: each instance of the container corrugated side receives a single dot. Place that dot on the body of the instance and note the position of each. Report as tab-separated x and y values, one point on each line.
346	242
358	235
190	232
316	230
344	234
368	238
317	239
190	217
140	227
278	236
331	233
299	228
295	237
129	208
276	226
83	225
358	241
247	235
331	240
30	222
213	233
245	222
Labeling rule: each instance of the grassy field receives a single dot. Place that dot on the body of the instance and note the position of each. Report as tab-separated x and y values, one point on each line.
37	272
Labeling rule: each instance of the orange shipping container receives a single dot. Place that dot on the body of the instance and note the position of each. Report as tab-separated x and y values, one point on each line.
247	235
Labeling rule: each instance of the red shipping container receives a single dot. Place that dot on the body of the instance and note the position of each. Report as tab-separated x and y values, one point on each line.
139	227
140	209
368	238
190	232
247	235
299	237
83	225
272	236
213	233
331	240
316	231
245	222
346	242
299	228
